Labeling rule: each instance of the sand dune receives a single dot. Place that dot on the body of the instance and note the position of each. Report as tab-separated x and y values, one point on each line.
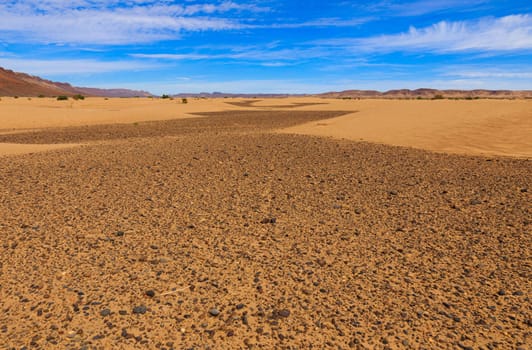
480	127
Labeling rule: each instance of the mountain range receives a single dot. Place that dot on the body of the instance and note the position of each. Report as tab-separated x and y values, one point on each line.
22	84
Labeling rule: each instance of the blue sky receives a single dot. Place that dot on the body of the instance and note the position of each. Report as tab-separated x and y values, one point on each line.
269	45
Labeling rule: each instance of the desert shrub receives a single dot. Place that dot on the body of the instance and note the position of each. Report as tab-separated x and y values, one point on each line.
438	97
78	97
15	97
165	96
469	98
184	100
62	98
41	96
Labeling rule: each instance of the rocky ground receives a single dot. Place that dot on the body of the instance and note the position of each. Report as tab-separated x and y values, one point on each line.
216	233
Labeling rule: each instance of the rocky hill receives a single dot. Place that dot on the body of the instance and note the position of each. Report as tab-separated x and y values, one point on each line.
21	84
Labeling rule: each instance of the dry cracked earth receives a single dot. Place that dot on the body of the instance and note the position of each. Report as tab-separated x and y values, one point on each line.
218	233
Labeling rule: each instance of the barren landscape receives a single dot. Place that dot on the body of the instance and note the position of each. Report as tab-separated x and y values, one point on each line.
256	224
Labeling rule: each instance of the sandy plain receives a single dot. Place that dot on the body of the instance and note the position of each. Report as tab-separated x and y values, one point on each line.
481	127
218	231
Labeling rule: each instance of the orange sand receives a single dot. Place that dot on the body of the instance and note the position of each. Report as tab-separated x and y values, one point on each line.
479	127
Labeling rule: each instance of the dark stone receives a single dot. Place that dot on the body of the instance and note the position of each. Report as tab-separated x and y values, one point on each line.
141	309
501	292
105	312
240	306
284	313
214	312
475	202
119	233
150	293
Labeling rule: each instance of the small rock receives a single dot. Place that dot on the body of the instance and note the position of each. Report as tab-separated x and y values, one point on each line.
524	190
475	202
214	312
393	193
501	292
141	309
105	312
240	306
268	221
119	233
284	313
150	293
518	293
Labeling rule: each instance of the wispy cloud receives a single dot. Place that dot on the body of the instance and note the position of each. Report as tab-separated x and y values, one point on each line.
490	74
276	56
510	33
103	22
73	67
320	22
422	7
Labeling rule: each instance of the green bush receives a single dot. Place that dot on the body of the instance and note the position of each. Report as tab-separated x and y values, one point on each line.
184	100
165	96
62	98
78	97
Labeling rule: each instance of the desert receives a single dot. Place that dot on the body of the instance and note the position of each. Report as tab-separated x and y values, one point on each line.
291	223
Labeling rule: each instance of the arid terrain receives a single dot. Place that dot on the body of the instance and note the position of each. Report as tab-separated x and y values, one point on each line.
262	224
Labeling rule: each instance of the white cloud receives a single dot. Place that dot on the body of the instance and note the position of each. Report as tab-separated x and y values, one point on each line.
104	22
492	74
320	22
508	33
270	54
70	67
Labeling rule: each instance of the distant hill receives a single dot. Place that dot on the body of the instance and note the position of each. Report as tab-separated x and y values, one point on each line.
21	84
429	93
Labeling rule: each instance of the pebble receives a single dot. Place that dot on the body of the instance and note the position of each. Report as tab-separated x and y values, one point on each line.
105	312
268	221
119	233
240	306
284	313
475	202
150	293
141	309
501	292
214	312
